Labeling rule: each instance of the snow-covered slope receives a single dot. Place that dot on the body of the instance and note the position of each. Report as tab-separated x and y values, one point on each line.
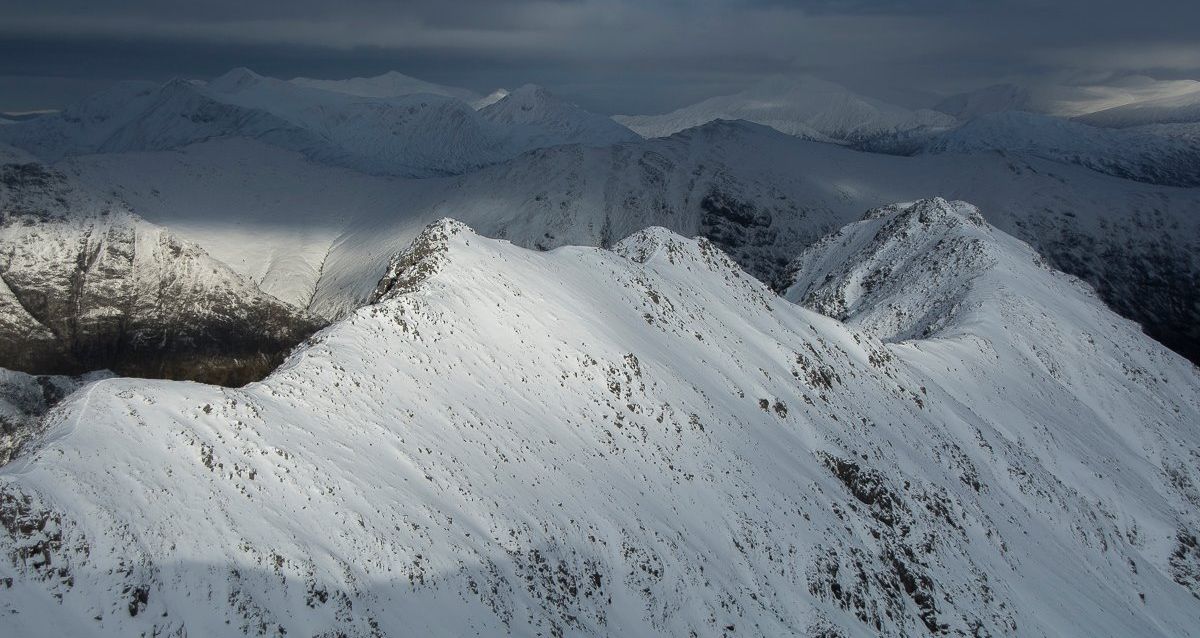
25	398
490	98
390	84
134	116
1167	155
1175	109
803	106
85	284
638	442
997	98
322	237
413	135
532	117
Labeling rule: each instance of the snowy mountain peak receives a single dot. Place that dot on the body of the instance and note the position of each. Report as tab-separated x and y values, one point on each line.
646	244
658	245
534	118
905	271
421	259
573	442
929	211
235	79
490	98
527	104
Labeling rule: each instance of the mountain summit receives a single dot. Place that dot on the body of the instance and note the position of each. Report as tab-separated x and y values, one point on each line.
644	441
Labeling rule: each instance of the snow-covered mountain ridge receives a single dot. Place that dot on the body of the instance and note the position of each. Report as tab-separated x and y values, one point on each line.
1166	154
804	106
644	441
991	119
408	134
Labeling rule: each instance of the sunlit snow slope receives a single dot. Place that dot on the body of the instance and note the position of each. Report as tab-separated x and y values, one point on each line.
645	441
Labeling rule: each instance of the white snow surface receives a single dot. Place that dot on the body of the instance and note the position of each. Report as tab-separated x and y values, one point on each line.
24	398
804	106
490	98
321	237
638	442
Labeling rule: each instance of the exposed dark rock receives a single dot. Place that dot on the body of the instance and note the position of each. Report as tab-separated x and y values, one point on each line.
86	285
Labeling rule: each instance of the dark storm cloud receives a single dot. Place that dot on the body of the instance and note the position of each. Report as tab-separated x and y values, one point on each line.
612	55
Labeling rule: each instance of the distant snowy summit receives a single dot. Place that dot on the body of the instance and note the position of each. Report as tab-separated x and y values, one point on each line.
391	124
536	118
1158	155
804	106
1001	118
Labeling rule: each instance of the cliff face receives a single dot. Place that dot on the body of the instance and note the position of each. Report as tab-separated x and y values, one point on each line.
86	285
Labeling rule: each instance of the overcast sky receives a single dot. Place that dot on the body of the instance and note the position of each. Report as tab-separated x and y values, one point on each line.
613	56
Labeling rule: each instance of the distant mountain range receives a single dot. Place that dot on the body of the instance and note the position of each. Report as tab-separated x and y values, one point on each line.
803	106
407	134
1178	109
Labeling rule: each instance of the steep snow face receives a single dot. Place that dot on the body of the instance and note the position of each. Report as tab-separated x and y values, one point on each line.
85	284
638	442
535	118
948	247
803	106
390	84
905	271
1168	155
1166	110
24	398
998	98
